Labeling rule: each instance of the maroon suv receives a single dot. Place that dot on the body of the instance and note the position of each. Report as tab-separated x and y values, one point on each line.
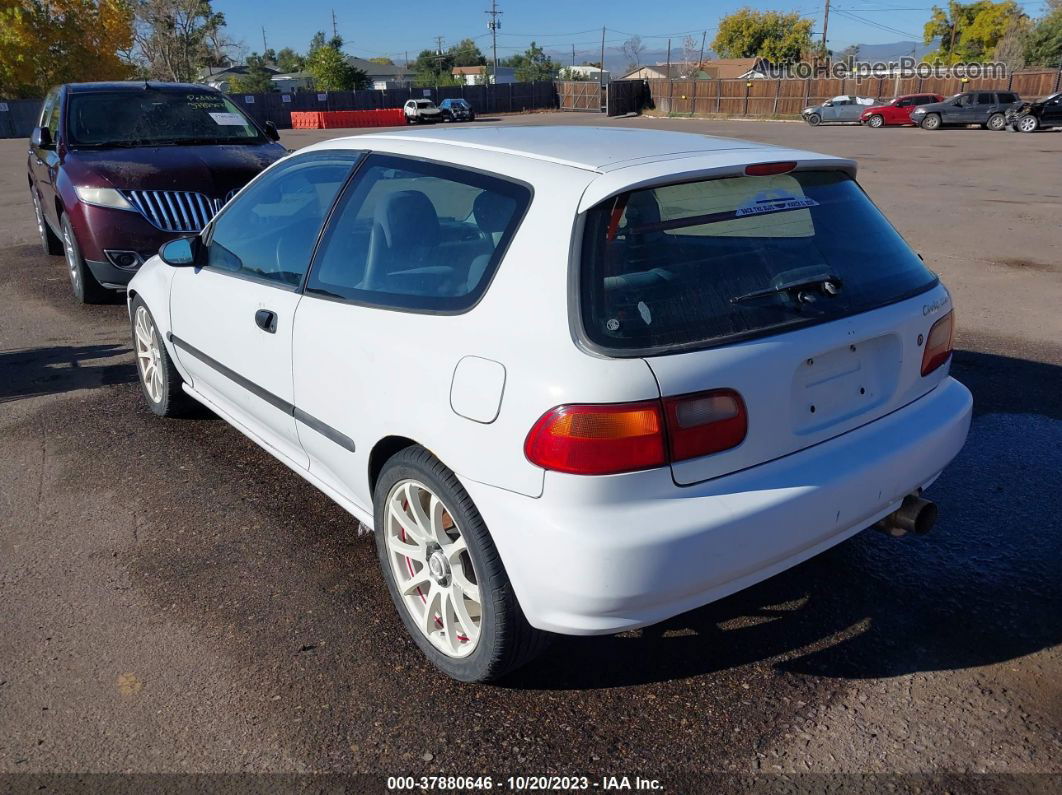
117	169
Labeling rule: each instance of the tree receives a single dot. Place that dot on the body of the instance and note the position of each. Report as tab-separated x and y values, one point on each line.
778	37
290	61
174	39
532	64
969	32
435	69
1044	47
44	42
466	53
332	71
1012	44
568	73
382	61
633	50
257	80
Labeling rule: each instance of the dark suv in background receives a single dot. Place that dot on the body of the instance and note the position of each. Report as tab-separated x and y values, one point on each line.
117	169
987	108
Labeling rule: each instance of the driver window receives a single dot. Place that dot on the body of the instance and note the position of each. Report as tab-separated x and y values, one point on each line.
269	231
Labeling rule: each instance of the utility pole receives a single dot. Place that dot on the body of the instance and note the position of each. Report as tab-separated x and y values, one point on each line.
335	29
438	44
601	74
700	58
264	45
825	27
493	25
573	54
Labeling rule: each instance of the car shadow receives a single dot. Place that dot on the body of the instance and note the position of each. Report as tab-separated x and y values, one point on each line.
981	588
31	372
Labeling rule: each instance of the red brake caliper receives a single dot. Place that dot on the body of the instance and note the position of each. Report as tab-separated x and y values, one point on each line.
423	598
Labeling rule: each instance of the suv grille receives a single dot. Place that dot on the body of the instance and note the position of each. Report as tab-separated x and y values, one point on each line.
176	210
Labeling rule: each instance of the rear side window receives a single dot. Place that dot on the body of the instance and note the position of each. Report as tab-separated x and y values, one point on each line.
699	263
986	99
1007	98
417	235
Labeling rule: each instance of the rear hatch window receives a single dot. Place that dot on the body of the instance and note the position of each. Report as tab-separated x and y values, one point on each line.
698	264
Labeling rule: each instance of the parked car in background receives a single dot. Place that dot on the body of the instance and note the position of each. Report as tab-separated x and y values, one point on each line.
421	111
896	111
731	363
117	169
1039	115
838	109
987	108
456	110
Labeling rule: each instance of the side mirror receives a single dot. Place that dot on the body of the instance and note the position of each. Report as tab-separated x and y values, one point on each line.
180	253
41	137
271	131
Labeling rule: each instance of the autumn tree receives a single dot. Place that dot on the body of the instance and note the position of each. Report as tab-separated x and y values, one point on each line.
59	41
776	36
969	32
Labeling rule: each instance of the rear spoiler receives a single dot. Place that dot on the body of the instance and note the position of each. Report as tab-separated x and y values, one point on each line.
698	166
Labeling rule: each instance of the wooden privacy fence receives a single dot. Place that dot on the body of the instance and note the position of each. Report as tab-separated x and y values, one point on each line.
586	95
768	97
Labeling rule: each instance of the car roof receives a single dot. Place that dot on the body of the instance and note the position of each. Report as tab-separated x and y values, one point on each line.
598	149
137	85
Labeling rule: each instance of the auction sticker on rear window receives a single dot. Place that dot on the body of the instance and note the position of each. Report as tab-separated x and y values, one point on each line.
228	119
765	202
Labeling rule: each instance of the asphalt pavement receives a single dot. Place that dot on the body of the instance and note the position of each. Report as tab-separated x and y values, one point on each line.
175	600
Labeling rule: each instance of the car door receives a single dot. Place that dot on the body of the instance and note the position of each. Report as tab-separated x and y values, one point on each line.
410	246
958	110
1052	111
900	113
231	317
851	110
45	159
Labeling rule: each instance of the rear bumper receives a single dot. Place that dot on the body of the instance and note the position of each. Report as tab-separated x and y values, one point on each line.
601	555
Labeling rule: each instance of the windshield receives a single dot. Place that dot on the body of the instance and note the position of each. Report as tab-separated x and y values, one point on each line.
695	263
156	118
425	103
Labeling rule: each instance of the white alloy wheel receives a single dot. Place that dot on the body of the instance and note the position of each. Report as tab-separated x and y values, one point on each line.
432	568
876	121
148	357
1028	124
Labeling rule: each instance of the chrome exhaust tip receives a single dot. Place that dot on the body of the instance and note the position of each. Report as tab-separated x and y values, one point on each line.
915	515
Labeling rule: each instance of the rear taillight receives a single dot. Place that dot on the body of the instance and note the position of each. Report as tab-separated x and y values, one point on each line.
705	423
938	344
605	439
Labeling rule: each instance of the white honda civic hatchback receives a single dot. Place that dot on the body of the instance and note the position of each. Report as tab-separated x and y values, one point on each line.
576	380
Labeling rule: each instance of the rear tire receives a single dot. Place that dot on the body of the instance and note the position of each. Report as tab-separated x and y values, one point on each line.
50	242
471	638
159	380
83	284
931	122
996	122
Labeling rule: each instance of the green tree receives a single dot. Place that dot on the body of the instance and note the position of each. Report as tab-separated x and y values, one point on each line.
332	71
435	69
969	32
466	53
382	61
257	79
1044	46
532	64
779	37
290	61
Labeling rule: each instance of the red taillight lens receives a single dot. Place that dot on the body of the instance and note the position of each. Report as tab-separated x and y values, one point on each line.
767	169
938	344
598	440
606	439
705	423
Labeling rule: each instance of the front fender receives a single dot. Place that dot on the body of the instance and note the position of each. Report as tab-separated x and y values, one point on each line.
152	283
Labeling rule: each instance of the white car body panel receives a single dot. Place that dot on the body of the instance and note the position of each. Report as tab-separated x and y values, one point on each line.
586	555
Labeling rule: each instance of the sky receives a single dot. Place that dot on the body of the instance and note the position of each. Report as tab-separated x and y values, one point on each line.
390	29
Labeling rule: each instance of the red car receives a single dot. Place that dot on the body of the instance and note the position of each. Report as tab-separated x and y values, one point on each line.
897	111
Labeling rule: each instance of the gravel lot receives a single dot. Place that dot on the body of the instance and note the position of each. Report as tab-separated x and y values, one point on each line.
175	600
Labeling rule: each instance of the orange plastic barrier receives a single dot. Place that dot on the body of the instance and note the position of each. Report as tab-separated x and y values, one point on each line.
333	119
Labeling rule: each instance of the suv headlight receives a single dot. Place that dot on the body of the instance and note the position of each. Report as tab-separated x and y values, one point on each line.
104	197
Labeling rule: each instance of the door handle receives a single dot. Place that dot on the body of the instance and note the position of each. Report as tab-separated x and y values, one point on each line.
266	319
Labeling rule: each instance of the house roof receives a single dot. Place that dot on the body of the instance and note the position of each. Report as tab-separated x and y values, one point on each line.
724	68
236	69
469	70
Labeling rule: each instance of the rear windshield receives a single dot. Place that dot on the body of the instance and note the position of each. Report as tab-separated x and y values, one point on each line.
702	262
156	118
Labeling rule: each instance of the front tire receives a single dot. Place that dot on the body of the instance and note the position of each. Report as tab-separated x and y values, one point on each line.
50	242
444	573
159	380
931	122
996	122
875	121
1027	124
814	120
83	284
